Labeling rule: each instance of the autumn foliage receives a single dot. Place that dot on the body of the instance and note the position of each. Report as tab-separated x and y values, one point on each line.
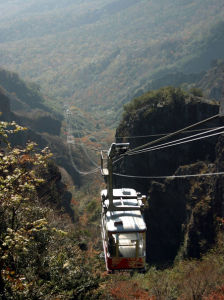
128	290
216	295
40	253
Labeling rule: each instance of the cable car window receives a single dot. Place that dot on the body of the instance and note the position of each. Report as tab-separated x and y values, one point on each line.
141	251
131	245
127	193
130	203
127	244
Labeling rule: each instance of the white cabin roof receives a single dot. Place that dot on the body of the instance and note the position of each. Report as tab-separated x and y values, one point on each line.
124	221
121	193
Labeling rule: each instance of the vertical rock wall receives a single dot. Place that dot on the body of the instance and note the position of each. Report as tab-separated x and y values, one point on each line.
182	212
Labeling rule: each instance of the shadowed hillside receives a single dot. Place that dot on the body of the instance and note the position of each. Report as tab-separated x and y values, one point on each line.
182	212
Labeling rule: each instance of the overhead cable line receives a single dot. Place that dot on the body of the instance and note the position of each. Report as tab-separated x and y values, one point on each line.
82	146
161	134
170	176
173	133
165	137
178	142
191	138
69	130
77	169
93	149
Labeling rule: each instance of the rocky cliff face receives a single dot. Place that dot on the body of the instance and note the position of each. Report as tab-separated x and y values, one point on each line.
159	113
182	212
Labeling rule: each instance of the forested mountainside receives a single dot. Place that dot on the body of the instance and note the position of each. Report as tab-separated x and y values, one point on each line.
52	174
212	82
29	108
209	82
27	99
44	246
45	256
25	105
183	213
42	254
24	96
96	54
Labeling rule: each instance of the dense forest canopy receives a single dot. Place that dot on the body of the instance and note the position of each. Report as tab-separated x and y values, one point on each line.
95	53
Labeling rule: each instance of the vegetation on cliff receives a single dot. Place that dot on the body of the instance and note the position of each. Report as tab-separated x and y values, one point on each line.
40	256
24	104
187	280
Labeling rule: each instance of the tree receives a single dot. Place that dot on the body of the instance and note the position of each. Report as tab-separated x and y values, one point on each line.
21	218
196	92
39	254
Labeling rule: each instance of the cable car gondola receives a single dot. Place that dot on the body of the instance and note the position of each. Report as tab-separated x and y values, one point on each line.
122	224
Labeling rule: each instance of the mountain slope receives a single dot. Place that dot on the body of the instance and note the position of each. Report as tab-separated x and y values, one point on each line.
24	104
212	82
95	53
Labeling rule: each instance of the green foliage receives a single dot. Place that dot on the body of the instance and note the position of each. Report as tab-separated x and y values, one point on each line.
6	129
196	92
187	280
154	99
39	256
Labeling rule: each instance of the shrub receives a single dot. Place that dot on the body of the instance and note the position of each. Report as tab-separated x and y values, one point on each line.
126	290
